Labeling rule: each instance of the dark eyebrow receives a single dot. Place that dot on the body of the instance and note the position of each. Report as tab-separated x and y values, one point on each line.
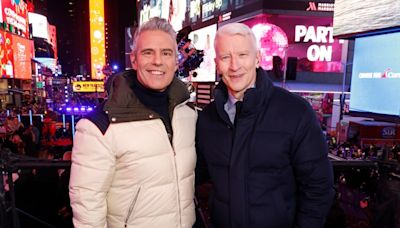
147	49
152	50
167	49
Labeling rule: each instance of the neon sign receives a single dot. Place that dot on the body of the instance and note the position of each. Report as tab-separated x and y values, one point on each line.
316	34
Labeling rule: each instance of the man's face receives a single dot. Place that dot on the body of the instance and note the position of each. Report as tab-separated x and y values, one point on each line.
155	59
236	60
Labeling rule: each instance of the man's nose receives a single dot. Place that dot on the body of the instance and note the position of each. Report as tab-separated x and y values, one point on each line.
157	59
234	65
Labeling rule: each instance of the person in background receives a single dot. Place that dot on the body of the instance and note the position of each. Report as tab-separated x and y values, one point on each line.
133	158
261	145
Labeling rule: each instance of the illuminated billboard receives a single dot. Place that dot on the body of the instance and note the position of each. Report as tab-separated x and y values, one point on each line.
15	13
129	34
307	39
50	63
6	55
39	25
203	39
88	86
97	38
153	8
53	39
177	13
22	57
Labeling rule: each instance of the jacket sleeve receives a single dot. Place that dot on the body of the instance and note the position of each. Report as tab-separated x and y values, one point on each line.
202	175
93	164
313	173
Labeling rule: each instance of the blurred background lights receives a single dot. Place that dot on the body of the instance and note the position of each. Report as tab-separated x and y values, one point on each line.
272	41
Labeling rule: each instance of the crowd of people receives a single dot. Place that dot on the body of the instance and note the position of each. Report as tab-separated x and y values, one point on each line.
355	151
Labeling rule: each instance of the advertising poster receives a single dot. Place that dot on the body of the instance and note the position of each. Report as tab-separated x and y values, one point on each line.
88	86
6	55
97	38
203	39
53	39
129	34
22	57
154	8
15	13
40	26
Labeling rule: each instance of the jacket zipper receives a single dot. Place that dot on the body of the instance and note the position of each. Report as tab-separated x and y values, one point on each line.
132	206
177	188
176	178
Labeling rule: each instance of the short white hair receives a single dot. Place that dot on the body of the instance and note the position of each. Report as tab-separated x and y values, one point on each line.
236	29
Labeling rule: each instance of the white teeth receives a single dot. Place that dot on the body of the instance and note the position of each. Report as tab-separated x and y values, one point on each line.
156	72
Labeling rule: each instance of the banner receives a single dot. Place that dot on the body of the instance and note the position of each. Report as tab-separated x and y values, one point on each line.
15	13
97	38
22	57
88	86
6	55
40	26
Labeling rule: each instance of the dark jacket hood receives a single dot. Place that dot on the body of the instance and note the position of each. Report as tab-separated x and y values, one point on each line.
123	105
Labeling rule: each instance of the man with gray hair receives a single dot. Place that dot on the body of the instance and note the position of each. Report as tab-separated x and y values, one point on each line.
261	145
133	158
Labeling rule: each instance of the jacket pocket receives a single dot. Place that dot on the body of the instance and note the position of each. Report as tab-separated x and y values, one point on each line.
132	206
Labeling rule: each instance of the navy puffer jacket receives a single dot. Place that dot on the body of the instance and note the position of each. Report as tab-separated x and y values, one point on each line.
271	169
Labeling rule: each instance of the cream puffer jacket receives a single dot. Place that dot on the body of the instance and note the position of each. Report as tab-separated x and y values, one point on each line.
133	175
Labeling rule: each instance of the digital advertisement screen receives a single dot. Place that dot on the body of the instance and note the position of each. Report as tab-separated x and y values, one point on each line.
129	34
15	13
97	38
153	8
39	25
375	81
87	86
203	39
22	57
353	17
50	63
6	55
308	39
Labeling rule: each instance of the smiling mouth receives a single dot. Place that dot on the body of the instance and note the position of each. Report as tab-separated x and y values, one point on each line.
236	76
156	72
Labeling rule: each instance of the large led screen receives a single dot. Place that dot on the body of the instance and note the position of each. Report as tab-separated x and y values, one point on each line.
305	38
22	57
352	17
97	38
15	13
375	81
203	39
39	25
153	8
6	55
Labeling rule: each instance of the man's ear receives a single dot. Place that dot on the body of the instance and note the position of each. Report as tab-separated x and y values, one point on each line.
258	58
133	61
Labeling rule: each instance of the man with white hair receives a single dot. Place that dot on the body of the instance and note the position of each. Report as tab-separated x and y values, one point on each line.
261	145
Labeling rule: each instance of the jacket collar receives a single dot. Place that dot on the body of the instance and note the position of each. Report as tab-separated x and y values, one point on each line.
254	98
123	105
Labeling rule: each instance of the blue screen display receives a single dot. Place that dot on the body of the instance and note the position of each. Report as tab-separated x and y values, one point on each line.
375	83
